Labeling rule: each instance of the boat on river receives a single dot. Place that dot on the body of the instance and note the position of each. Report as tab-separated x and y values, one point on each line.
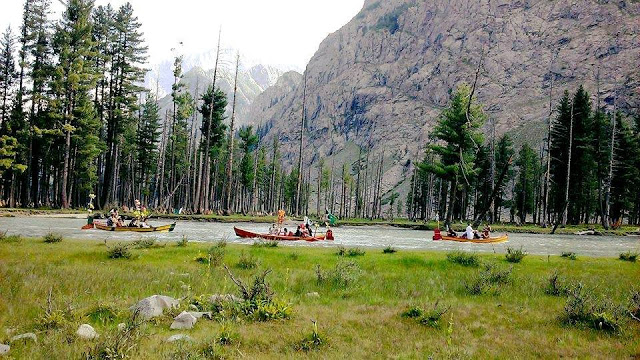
104	227
491	240
252	235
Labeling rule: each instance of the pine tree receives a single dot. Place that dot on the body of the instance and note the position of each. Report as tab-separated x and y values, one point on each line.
560	154
504	154
148	136
8	75
625	170
528	176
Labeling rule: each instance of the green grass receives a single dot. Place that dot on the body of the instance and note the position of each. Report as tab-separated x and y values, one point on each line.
361	319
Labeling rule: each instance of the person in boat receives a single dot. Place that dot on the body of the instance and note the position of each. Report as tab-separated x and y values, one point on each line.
450	232
469	233
112	220
486	232
285	232
298	232
272	230
281	215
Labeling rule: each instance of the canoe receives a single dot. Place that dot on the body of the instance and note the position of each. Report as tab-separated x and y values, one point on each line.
164	228
493	240
251	235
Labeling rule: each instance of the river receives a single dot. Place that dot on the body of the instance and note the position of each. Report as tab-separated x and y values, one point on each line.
360	236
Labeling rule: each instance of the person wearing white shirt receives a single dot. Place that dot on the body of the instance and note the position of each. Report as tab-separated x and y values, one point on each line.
469	232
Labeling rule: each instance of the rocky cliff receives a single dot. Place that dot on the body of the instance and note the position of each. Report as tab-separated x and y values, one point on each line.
382	79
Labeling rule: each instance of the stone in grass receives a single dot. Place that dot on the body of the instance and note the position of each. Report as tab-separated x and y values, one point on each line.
25	337
154	306
4	349
86	331
313	295
183	321
122	327
180	337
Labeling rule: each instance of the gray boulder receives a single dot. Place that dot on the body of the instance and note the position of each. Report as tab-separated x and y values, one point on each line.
179	337
4	349
154	306
86	331
25	337
183	321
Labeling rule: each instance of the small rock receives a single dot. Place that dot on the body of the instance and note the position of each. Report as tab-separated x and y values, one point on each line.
86	331
224	298
198	315
154	305
183	321
313	295
25	337
4	349
180	337
122	327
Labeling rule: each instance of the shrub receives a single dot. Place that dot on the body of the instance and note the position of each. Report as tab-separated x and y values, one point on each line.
344	274
429	318
247	261
273	309
118	344
629	256
9	239
147	243
352	252
569	255
635	304
102	314
491	277
53	320
265	244
119	251
294	256
389	250
183	242
598	313
463	258
515	255
216	253
52	238
313	341
555	286
227	335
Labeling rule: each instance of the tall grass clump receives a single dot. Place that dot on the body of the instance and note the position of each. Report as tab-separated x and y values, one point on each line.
118	344
430	317
389	250
344	274
584	308
119	251
635	305
215	254
313	341
569	255
515	255
265	244
146	243
247	261
351	252
629	256
183	242
556	286
9	239
463	258
488	279
52	238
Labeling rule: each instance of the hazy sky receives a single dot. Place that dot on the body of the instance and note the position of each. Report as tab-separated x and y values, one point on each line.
272	31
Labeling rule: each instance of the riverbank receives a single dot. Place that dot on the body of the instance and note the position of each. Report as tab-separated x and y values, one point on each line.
398	223
357	305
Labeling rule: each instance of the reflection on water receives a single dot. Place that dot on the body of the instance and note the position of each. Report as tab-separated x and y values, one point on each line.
369	236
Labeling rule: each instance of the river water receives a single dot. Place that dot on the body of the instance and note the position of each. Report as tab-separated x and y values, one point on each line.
361	236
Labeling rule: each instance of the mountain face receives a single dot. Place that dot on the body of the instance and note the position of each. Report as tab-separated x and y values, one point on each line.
382	80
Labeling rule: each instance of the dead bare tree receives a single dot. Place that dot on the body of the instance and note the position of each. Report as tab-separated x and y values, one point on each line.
230	149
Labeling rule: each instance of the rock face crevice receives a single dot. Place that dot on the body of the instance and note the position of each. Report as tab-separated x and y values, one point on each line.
382	79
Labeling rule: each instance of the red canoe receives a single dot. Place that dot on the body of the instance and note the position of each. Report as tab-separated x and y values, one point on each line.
251	235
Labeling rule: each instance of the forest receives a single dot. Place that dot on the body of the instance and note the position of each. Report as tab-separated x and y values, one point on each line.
78	130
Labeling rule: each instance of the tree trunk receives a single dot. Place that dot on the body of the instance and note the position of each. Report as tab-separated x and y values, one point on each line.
231	139
299	185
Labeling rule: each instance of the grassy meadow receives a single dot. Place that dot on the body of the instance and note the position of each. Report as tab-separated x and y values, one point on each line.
402	304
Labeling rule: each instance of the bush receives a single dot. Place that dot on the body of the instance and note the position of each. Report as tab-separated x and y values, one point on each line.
313	341
555	286
584	308
183	242
119	251
227	335
515	255
389	250
247	261
352	252
146	243
344	274
54	320
214	256
569	255
273	309
265	244
463	258
9	239
102	314
629	256
52	238
119	344
490	278
635	304
429	318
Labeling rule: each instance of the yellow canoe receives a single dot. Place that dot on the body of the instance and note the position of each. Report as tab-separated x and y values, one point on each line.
164	228
493	240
